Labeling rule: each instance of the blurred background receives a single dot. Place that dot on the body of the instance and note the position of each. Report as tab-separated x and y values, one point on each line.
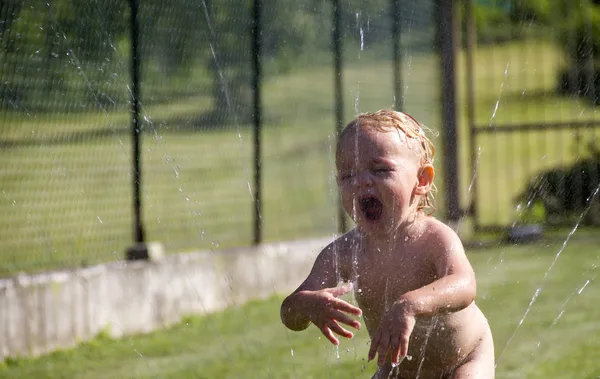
236	133
66	139
211	124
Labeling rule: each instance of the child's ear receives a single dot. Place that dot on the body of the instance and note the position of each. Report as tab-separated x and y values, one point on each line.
425	180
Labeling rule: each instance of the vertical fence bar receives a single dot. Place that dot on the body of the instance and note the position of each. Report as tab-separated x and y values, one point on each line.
446	34
139	250
256	117
396	58
336	35
470	72
136	127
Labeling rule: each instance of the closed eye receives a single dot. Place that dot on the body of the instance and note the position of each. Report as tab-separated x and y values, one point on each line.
346	175
382	170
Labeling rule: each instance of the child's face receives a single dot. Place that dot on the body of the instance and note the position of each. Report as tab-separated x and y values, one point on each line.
380	179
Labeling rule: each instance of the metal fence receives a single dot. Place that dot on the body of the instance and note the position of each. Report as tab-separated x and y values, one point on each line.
222	114
531	89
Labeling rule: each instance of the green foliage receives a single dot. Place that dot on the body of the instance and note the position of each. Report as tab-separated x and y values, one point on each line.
536	11
534	213
67	53
565	193
580	36
492	23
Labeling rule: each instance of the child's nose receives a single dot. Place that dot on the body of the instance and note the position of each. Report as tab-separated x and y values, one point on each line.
364	179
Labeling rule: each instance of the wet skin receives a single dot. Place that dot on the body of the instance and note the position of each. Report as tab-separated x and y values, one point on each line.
413	283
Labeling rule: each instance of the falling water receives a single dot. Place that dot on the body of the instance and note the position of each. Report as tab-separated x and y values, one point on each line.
499	94
591	199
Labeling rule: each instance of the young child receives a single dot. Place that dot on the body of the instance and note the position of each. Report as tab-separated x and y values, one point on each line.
411	278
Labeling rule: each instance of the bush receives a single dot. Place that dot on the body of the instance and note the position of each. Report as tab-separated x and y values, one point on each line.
566	193
574	81
579	32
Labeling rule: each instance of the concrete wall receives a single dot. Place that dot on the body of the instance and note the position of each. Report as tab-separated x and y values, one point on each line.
44	312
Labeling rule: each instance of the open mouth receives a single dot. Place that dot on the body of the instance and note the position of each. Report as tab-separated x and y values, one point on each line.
371	207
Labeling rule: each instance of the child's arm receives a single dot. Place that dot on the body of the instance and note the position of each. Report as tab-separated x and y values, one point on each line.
454	290
316	300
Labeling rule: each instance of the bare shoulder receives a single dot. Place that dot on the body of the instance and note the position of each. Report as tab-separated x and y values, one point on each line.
345	243
342	249
437	235
444	248
332	264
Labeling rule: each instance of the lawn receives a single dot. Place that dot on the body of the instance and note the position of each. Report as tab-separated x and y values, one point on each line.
516	83
540	300
65	180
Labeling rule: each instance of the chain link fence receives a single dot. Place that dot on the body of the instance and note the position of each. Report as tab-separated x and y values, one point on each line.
65	142
531	95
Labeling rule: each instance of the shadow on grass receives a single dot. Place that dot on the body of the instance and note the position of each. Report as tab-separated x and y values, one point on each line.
203	122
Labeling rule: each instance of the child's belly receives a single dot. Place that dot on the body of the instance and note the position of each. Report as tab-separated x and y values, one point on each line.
439	344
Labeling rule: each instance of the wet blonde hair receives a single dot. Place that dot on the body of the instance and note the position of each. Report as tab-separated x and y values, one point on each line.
385	120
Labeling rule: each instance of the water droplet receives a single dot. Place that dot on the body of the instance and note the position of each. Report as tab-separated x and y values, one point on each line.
360	290
99	219
292	351
362	39
582	288
409	357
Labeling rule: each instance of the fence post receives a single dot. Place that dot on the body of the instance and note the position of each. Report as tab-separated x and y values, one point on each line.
139	249
446	39
336	37
256	117
470	72
397	60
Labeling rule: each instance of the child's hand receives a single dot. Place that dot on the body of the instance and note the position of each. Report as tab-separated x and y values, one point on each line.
393	333
326	311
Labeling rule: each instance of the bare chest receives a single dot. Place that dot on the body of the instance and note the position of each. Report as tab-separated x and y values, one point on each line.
380	282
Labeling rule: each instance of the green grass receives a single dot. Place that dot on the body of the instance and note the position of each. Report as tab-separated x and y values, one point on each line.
516	83
556	338
69	204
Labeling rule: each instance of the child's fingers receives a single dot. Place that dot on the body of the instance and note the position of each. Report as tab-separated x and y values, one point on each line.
345	319
384	345
346	307
403	339
374	345
336	328
403	346
339	291
395	350
329	335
